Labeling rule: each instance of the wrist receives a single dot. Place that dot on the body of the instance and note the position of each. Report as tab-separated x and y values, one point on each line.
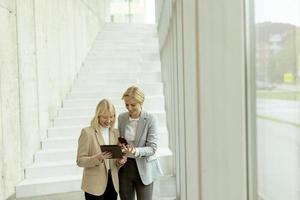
100	159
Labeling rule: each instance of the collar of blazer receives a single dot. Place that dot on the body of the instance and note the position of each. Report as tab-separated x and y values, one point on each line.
140	126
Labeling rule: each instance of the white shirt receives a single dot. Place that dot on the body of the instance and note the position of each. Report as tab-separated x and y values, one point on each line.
105	133
130	132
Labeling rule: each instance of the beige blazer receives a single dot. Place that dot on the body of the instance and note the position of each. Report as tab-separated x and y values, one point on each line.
94	178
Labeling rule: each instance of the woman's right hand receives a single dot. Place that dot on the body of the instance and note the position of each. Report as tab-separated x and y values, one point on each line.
103	155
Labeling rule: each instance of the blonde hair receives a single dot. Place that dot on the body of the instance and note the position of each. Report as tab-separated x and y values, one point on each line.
103	106
134	93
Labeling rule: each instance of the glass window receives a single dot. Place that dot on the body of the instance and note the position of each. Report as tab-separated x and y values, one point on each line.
277	51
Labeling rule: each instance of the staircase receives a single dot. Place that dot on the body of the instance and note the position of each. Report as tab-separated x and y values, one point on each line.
123	55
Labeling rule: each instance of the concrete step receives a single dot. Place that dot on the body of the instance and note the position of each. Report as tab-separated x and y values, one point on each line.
91	82
101	63
122	46
116	52
70	131
90	111
111	63
91	94
103	45
64	131
106	77
131	36
108	47
63	155
148	88
94	67
105	92
125	39
51	185
53	169
71	142
60	143
151	103
126	61
55	155
74	116
117	56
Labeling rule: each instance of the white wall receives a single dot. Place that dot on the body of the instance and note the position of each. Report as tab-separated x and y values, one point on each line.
1	153
10	158
28	80
42	46
203	60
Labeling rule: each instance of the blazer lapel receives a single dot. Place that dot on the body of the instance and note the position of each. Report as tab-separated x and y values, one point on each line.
140	128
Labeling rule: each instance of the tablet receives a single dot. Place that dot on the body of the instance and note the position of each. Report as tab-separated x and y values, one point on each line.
114	149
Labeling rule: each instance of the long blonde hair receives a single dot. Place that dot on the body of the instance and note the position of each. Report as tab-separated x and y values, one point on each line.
135	93
103	106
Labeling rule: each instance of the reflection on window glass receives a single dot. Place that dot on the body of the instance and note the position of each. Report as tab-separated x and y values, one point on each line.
132	11
277	25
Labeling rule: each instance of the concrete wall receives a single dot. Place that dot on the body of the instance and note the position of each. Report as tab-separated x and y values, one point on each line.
10	104
42	46
1	153
203	65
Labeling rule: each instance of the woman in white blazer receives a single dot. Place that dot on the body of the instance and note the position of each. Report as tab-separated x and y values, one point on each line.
100	175
140	129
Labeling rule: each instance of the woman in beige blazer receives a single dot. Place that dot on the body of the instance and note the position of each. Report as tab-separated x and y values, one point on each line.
100	175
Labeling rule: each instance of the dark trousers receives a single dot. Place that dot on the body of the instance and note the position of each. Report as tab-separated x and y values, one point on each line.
109	193
130	182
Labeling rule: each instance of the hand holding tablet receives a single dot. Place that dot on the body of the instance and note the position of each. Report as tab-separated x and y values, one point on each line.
115	150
